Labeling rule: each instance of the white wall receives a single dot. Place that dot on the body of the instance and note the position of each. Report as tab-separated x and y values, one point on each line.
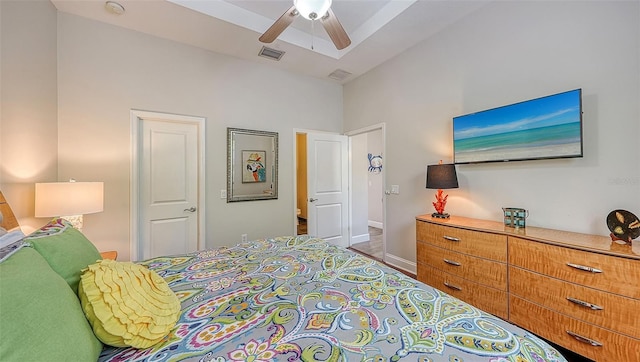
28	128
68	84
504	53
104	71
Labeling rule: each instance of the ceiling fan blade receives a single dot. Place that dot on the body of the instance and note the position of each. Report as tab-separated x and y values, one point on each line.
335	30
278	27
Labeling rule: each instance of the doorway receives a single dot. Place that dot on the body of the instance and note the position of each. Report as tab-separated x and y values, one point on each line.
367	196
167	187
366	228
301	184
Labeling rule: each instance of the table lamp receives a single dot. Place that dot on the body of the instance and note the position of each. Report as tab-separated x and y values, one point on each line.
441	176
69	200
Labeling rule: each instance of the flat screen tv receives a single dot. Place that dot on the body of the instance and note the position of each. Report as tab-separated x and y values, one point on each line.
541	128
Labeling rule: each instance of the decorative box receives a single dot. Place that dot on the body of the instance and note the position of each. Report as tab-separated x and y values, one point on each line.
515	217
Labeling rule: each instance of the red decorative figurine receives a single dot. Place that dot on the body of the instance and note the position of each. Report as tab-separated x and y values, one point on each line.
441	201
441	177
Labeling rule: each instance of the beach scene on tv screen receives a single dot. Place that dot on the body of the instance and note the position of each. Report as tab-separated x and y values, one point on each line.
547	127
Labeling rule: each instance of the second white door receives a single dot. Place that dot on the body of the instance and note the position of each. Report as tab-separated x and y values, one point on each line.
327	187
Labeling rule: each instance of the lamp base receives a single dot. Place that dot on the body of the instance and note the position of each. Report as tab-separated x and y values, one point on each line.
75	220
440	216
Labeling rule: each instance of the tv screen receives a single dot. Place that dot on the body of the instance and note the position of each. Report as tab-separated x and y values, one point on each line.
541	128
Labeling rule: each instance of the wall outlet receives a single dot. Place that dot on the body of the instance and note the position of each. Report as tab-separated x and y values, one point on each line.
223	194
243	237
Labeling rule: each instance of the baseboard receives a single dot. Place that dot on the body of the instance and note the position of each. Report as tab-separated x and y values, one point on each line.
375	224
400	263
360	238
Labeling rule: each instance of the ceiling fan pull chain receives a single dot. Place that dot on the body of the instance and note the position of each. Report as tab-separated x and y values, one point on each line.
313	32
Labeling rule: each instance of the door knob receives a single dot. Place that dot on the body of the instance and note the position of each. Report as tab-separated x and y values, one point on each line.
313	200
191	209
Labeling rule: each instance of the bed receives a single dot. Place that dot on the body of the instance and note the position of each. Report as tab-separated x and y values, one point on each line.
301	299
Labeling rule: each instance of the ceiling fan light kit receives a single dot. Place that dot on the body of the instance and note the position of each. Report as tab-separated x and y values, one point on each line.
312	10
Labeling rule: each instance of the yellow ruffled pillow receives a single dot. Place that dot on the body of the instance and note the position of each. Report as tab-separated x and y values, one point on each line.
127	304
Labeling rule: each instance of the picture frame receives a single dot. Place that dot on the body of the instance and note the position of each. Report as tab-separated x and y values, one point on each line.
252	165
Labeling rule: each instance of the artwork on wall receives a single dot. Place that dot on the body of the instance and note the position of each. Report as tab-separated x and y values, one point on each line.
375	163
254	170
252	165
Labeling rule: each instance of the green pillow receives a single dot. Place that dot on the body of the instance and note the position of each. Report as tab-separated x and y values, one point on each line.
66	250
40	317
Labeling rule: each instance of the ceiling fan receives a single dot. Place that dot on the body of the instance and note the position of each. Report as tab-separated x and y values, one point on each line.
312	10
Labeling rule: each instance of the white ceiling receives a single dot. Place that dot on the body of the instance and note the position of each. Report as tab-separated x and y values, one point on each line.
379	29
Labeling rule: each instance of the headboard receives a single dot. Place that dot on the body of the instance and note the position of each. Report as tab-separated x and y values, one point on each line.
9	220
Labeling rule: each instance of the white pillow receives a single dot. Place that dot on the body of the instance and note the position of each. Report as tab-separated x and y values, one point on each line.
10	243
10	238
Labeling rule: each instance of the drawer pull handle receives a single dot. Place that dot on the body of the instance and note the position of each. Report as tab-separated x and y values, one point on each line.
585	304
451	262
584	339
455	287
585	268
451	238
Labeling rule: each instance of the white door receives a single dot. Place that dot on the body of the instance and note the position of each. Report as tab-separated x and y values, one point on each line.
168	188
327	187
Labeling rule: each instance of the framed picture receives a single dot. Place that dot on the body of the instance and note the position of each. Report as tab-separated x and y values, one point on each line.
252	165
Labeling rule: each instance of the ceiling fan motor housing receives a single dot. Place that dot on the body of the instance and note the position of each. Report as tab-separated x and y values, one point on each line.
312	9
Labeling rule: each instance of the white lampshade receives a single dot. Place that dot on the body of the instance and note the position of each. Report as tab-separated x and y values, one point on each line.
69	198
308	7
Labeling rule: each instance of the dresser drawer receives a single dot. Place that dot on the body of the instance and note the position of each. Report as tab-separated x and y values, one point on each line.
618	313
482	244
482	271
618	275
554	326
488	299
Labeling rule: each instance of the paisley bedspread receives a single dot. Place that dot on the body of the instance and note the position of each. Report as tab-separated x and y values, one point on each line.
303	299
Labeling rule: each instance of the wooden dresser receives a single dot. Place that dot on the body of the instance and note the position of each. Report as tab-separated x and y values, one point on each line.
579	291
467	264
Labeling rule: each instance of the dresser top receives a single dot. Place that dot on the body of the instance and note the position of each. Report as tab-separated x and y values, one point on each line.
595	243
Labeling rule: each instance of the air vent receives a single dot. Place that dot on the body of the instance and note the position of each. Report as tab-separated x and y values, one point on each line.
271	53
339	74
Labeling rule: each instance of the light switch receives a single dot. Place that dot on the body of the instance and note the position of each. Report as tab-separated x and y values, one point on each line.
395	189
223	194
